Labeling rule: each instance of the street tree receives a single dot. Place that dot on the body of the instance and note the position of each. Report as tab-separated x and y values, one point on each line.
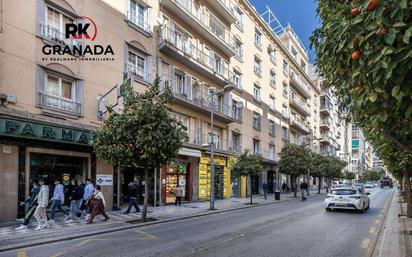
295	160
142	135
371	175
333	167
317	168
249	166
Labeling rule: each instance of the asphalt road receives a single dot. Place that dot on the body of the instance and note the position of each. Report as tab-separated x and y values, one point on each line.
286	229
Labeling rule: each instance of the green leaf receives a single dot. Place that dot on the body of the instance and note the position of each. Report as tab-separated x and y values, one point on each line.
373	97
399	24
408	112
395	91
390	38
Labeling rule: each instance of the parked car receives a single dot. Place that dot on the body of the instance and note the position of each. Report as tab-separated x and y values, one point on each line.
369	185
347	198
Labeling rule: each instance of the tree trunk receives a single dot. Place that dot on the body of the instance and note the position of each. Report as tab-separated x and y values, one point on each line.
408	192
307	182
251	191
146	194
319	185
295	187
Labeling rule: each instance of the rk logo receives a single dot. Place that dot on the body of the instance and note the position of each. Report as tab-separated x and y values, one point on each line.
80	30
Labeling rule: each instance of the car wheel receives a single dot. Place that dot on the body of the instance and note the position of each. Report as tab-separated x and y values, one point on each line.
328	209
363	208
369	205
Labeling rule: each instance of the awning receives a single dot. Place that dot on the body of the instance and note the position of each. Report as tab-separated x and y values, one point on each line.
190	152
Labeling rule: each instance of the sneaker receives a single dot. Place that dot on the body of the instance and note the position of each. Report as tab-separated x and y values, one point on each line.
69	221
66	217
20	220
52	222
38	227
21	227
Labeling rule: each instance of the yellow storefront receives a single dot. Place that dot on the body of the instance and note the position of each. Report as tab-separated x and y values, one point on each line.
222	176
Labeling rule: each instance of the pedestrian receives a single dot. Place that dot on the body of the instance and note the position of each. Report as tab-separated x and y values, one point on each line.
32	204
42	202
265	190
302	188
76	196
178	195
284	188
98	204
306	187
87	196
132	197
57	200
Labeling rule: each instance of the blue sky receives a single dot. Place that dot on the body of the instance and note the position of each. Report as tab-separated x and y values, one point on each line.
301	14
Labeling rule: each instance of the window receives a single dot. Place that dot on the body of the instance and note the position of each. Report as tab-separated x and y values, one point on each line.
256	92
256	121
273	79
285	68
273	56
272	128
179	83
294	53
237	78
272	103
57	86
285	133
285	90
272	151
303	65
256	146
236	110
138	15
137	65
239	17
236	141
257	66
238	47
216	139
181	118
258	39
285	112
55	26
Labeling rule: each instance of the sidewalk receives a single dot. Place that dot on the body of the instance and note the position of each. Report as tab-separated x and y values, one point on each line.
395	238
11	239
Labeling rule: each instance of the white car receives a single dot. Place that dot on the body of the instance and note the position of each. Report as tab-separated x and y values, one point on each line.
347	198
369	185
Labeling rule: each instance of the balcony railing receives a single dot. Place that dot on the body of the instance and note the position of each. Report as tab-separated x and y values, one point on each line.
258	44
55	35
138	72
297	101
302	125
269	155
258	70
208	21
300	85
138	20
199	139
325	107
196	55
181	91
325	122
59	104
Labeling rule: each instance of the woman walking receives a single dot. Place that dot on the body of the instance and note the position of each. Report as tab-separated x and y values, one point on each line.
97	205
42	202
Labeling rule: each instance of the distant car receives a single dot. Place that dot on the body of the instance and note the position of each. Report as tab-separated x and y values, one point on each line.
359	185
369	185
347	198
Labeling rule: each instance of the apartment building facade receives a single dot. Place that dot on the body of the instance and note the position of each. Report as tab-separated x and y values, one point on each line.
55	89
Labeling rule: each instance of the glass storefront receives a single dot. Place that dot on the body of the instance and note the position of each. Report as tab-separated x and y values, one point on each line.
177	175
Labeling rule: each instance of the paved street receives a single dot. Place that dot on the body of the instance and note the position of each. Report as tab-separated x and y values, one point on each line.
284	229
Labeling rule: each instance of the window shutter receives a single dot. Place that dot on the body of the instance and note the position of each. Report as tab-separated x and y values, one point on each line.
148	19
40	83
126	56
188	86
80	95
148	68
171	76
40	15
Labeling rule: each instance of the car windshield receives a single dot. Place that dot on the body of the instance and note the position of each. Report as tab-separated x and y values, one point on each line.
343	192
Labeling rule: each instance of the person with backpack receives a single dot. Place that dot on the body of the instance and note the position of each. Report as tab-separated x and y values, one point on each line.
32	204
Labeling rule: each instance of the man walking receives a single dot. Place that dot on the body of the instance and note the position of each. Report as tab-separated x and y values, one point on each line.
75	198
32	202
284	188
265	190
42	202
132	197
57	199
178	195
87	196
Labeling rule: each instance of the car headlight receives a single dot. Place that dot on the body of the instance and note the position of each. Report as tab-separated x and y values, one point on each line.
355	197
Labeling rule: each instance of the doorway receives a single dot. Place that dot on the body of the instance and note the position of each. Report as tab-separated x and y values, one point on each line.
271	182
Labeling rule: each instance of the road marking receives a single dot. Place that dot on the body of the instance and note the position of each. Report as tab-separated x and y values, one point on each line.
372	230
58	254
365	243
90	240
146	235
377	221
21	254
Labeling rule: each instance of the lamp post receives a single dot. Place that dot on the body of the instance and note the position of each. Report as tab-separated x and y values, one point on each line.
226	89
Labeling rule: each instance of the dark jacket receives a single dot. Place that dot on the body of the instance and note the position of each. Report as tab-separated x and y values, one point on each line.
77	193
132	190
265	187
32	200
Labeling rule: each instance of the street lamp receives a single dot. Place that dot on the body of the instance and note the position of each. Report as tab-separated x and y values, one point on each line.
226	89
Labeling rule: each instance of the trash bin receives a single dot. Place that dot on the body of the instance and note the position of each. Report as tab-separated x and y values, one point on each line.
277	195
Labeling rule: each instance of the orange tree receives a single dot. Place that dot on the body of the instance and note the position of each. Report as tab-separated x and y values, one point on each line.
364	51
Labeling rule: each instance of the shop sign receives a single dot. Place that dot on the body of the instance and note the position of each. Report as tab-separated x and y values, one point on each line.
104	180
219	160
35	130
204	178
181	167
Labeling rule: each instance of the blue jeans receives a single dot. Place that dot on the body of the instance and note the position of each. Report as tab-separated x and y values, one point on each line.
132	203
74	208
56	205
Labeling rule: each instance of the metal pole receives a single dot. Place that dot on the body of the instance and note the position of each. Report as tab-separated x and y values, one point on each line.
212	157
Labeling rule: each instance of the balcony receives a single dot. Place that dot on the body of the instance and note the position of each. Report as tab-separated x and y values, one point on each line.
269	156
258	70
54	35
138	73
325	124
299	85
60	104
199	102
326	138
225	9
325	105
205	23
173	44
197	139
299	105
301	126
